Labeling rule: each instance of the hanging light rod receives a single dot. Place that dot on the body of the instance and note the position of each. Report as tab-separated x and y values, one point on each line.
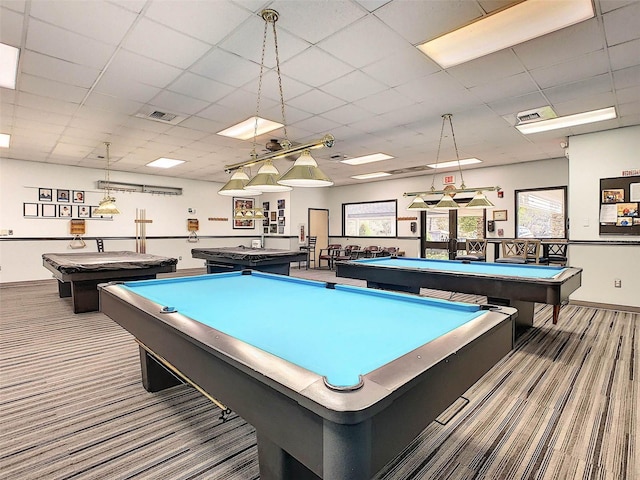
452	191
326	141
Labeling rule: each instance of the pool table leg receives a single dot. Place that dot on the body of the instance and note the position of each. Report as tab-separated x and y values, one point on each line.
154	376
64	289
346	451
525	313
556	314
277	464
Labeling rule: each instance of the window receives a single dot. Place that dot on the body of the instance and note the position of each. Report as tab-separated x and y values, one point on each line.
370	219
541	213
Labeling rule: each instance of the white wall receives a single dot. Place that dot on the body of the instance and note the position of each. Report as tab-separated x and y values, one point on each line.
19	182
544	173
592	157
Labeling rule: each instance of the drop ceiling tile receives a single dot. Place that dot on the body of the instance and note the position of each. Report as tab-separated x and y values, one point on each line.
246	42
372	5
187	133
225	115
135	6
316	102
560	46
513	105
196	86
207	21
66	45
270	88
58	70
347	114
11	27
421	21
42	116
87	142
246	101
513	86
621	25
626	78
40	126
147	125
314	21
53	105
353	86
624	55
100	21
369	40
316	125
315	67
589	65
384	102
71	150
15	5
227	68
111	84
128	66
150	39
292	114
487	69
582	89
401	67
108	102
49	88
202	124
177	103
84	133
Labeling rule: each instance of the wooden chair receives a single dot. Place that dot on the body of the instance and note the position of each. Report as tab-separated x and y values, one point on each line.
310	248
475	250
328	254
371	251
348	253
556	253
514	251
534	250
389	252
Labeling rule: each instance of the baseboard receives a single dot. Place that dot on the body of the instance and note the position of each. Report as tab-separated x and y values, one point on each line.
605	306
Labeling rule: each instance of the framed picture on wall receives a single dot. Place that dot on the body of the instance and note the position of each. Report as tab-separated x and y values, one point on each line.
45	194
499	215
63	195
78	196
241	206
83	211
30	209
64	211
49	210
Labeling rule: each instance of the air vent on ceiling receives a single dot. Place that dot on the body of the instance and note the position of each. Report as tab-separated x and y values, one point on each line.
152	113
535	115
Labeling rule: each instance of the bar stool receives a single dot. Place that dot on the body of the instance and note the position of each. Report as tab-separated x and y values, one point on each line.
310	248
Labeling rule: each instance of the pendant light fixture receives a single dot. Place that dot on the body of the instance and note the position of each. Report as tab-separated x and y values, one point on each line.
107	205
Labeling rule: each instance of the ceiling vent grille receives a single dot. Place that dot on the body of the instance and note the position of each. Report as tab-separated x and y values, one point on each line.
151	113
535	115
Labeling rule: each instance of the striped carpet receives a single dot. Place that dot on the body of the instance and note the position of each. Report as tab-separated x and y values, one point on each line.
563	405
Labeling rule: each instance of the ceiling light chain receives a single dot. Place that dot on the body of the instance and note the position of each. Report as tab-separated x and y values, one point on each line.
272	16
447	202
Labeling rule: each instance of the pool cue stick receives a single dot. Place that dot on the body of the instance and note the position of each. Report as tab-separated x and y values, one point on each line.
182	377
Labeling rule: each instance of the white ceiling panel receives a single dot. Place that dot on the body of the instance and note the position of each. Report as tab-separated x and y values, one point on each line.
206	21
97	19
158	42
348	67
66	45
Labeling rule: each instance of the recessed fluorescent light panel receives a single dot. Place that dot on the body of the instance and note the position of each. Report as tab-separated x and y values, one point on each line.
247	129
5	139
164	163
366	176
525	21
375	157
454	163
8	66
568	121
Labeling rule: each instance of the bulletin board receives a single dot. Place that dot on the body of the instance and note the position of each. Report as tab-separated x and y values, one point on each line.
620	206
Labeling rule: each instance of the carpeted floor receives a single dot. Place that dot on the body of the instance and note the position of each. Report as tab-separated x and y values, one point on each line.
564	404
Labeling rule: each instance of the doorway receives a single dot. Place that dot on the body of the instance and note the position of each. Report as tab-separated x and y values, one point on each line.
444	232
319	228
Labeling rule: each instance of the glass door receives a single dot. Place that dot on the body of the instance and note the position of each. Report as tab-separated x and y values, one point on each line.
444	232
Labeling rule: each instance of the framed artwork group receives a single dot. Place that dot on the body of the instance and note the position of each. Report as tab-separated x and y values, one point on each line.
61	203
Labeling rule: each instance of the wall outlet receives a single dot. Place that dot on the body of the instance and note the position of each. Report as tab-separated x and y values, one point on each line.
617	283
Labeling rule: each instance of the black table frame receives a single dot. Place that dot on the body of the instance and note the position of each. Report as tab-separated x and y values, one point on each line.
82	285
229	259
518	292
305	430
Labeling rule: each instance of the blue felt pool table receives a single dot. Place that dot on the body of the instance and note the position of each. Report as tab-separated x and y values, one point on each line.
336	379
517	285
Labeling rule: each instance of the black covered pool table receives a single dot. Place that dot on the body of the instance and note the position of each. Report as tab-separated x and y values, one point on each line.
80	273
228	259
336	381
